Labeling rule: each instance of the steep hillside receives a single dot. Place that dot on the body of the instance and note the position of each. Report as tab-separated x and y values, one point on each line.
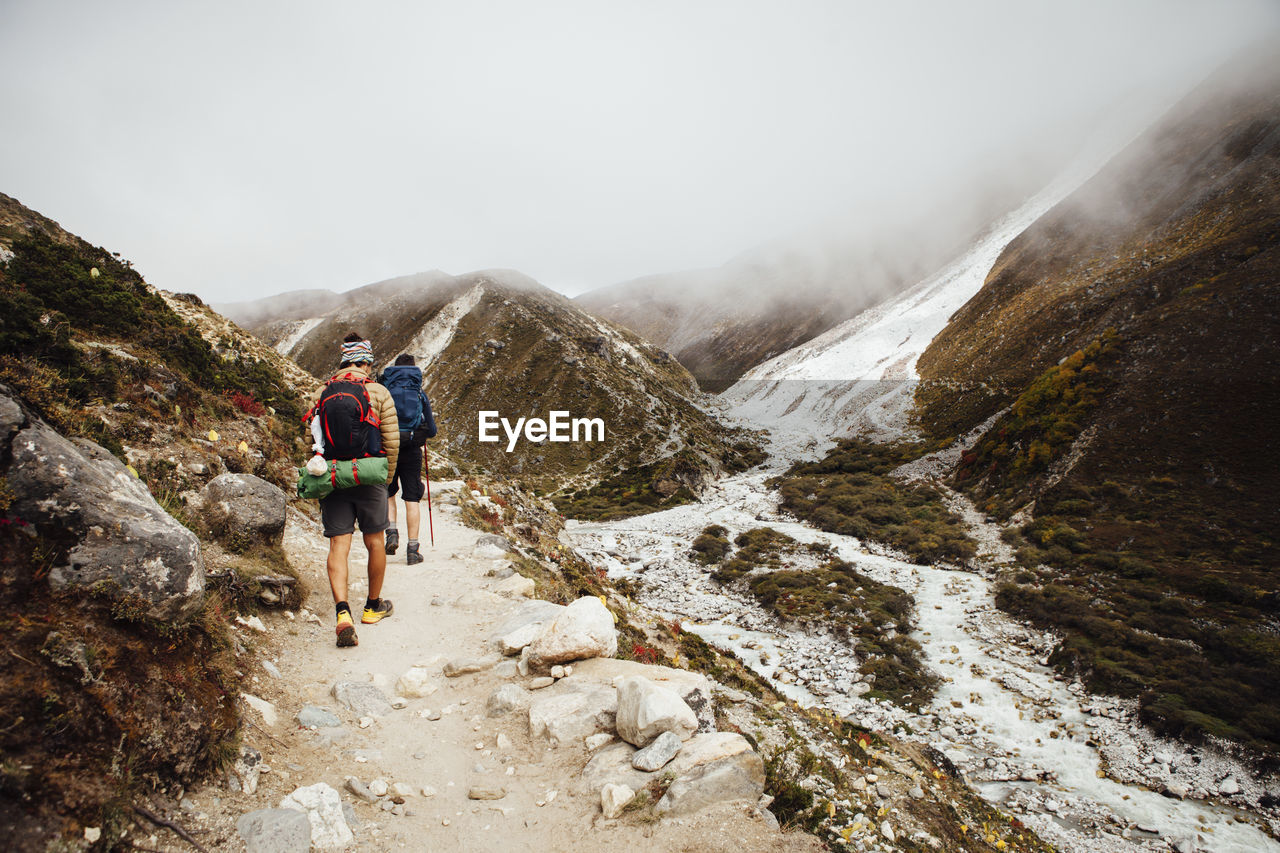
1134	332
121	673
499	341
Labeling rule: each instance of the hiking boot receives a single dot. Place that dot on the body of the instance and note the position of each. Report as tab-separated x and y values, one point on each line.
412	555
346	631
381	610
393	540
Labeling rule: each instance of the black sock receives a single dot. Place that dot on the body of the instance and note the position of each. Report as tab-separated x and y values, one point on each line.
372	603
341	606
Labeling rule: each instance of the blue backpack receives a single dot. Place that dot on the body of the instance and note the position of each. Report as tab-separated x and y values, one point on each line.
405	384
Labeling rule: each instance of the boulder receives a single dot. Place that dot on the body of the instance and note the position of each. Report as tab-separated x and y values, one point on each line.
614	762
657	754
527	618
567	713
242	511
646	710
362	698
739	777
323	808
516	586
109	534
583	630
275	831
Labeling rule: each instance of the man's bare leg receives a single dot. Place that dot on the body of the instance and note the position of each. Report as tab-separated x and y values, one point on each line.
339	551
374	543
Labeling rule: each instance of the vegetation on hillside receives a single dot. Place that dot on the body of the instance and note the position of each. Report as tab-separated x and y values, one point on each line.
850	492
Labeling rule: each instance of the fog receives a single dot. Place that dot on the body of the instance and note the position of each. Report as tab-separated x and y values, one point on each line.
243	149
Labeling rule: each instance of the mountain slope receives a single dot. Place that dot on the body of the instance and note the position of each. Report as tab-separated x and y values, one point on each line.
1134	331
499	341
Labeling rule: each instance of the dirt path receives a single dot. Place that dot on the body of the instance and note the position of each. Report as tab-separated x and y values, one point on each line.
444	611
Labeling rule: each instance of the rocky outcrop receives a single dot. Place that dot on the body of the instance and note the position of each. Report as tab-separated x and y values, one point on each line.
242	511
109	534
739	777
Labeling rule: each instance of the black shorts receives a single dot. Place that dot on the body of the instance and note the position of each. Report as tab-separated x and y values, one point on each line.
342	509
408	475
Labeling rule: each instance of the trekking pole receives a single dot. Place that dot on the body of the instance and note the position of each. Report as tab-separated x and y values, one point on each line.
431	527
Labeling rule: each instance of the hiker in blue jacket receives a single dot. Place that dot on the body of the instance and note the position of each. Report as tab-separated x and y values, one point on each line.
404	381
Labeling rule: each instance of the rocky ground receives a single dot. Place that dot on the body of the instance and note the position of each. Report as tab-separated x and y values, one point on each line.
426	736
1076	768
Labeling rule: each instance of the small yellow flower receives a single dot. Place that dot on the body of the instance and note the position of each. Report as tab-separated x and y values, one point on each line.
213	435
991	839
1000	845
964	829
243	446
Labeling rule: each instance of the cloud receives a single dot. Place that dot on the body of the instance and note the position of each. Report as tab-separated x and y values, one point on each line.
247	148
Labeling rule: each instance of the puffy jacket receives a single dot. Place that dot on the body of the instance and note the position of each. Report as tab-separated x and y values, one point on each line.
383	405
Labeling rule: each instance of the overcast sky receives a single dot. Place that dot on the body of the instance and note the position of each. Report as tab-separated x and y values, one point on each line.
239	149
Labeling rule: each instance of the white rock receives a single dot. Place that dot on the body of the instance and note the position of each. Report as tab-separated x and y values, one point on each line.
739	777
323	807
416	683
596	741
507	698
584	630
657	754
887	832
557	671
568	713
263	707
514	642
1228	786
378	787
516	586
541	681
403	789
645	710
503	742
614	798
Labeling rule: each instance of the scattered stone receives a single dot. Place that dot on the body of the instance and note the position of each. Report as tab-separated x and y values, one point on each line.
596	741
428	791
614	798
455	668
398	809
735	696
657	754
916	793
516	586
541	682
557	671
253	623
247	767
493	546
1228	786
272	669
366	722
362	698
507	698
645	710
314	715
416	683
263	707
584	629
378	787
323	808
272	831
887	831
360	790
478	792
503	742
403	789
514	642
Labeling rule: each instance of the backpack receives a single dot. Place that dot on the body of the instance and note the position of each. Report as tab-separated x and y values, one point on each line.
347	419
405	384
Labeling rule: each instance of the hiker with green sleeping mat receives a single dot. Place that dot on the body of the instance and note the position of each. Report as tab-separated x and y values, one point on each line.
357	442
404	380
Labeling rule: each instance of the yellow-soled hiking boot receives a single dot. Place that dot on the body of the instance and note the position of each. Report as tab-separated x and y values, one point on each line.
379	611
347	630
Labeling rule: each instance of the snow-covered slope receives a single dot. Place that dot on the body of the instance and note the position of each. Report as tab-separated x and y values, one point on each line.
859	376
